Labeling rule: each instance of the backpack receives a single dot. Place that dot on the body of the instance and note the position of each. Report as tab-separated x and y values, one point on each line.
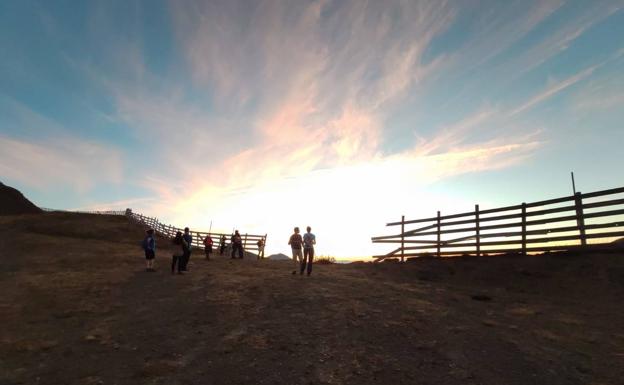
144	243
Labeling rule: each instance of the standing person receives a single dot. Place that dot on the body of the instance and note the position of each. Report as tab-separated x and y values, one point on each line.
178	259
222	244
208	246
237	244
309	240
186	246
295	243
260	248
149	246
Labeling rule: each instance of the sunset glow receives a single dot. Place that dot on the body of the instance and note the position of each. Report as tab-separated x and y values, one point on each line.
342	115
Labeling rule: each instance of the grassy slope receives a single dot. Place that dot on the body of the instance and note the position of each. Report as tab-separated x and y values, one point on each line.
77	308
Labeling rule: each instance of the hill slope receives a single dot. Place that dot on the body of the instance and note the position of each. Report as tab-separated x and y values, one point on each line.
78	308
13	202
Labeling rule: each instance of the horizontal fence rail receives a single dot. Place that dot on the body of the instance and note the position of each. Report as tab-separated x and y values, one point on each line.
250	241
579	221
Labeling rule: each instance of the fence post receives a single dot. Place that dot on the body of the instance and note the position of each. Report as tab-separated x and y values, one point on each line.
580	220
402	238
438	231
245	242
523	228
478	230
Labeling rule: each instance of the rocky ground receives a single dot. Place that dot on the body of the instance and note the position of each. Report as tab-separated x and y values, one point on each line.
77	307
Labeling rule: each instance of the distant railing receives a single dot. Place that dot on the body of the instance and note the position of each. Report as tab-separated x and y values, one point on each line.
249	240
524	228
84	212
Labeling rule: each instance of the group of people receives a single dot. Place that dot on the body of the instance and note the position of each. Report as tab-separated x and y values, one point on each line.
303	259
302	249
185	241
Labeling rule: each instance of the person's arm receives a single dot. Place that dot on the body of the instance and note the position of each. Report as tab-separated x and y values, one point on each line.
290	240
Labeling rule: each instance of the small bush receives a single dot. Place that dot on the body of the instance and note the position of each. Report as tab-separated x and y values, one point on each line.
325	260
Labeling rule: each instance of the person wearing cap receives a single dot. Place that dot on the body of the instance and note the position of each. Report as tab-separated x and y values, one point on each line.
149	246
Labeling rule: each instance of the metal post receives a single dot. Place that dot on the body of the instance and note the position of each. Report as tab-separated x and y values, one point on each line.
580	220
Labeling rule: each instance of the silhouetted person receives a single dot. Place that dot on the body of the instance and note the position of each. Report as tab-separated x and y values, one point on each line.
260	248
179	241
309	240
186	246
149	246
208	245
222	244
237	244
295	243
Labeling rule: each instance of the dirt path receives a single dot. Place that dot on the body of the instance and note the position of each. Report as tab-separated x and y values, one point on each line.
91	315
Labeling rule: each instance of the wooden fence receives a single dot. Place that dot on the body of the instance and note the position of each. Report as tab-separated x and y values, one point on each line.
250	241
579	221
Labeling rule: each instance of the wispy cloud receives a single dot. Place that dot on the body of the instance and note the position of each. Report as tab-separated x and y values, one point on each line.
58	163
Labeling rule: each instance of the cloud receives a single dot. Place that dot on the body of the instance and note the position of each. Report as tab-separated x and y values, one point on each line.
59	162
555	88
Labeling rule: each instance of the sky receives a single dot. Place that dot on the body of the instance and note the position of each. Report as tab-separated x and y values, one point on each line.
342	115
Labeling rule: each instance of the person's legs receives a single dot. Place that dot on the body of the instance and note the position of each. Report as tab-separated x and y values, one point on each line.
233	250
310	259
241	252
295	261
174	260
306	253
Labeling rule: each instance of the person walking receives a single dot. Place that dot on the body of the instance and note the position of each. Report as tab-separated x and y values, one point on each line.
149	246
260	244
208	246
309	240
178	259
237	244
186	247
295	243
222	244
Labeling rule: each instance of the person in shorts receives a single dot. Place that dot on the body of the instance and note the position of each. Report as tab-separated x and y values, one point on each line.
309	240
296	243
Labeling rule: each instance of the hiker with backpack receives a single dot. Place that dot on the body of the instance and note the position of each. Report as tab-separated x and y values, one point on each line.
149	246
237	245
178	240
260	248
208	246
295	243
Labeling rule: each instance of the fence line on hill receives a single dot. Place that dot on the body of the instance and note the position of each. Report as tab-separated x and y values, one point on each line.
168	231
522	229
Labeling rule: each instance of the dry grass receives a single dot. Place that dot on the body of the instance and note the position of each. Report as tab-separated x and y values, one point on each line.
78	308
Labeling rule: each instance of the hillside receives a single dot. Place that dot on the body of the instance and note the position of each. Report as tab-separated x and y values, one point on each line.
78	308
13	202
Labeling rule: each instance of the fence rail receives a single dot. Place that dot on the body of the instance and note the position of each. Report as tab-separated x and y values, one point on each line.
250	241
547	225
